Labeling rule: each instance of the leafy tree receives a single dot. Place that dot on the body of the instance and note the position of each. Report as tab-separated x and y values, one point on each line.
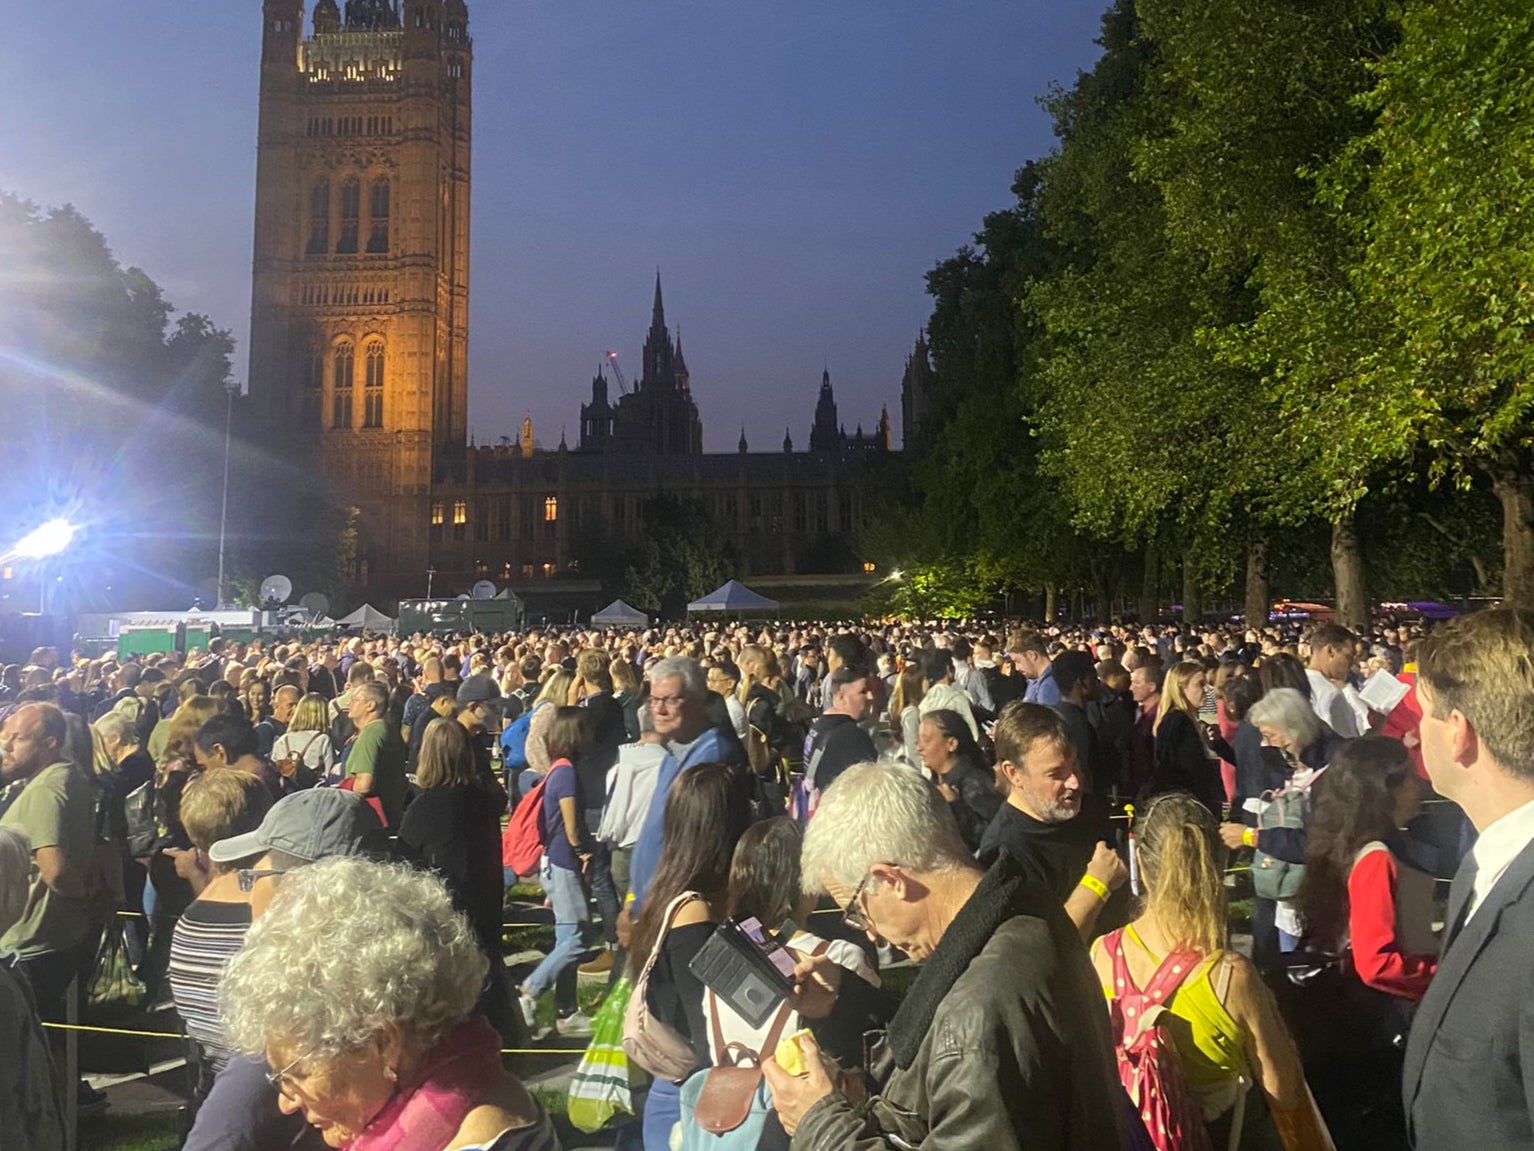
1141	425
681	556
115	415
1264	94
1440	198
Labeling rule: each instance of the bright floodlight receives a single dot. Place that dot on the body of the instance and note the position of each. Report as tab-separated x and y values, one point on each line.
46	540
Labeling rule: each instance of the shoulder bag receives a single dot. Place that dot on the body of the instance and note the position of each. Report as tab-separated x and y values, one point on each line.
647	1041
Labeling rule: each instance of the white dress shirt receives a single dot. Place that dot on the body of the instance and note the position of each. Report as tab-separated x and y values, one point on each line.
1495	851
1331	706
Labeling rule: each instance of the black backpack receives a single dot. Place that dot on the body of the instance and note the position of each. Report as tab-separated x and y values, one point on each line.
139	813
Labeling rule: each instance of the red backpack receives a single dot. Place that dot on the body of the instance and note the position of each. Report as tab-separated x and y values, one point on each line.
1148	1065
522	841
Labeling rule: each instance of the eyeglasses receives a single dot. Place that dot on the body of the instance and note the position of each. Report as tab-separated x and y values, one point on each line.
855	916
282	1081
666	702
247	878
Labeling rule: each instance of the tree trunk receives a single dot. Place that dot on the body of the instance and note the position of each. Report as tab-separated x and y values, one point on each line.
1149	584
1190	603
1516	491
1257	594
1348	573
1049	605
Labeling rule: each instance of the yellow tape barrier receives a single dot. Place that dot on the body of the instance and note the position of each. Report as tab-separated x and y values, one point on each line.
178	1036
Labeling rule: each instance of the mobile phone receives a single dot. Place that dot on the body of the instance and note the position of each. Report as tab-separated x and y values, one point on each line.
747	969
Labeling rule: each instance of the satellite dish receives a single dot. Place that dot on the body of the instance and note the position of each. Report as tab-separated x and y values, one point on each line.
484	589
276	589
316	603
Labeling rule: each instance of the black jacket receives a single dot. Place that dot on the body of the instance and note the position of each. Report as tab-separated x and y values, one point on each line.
1183	763
455	830
1002	1042
836	743
978	800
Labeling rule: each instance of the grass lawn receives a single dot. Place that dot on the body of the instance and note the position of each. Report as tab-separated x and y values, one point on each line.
147	1132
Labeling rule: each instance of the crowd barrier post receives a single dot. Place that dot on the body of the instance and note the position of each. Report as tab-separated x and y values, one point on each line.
72	1066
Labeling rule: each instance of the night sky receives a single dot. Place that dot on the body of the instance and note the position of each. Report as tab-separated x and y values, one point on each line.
793	167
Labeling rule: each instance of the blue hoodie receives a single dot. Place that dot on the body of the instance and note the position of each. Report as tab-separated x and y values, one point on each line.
710	747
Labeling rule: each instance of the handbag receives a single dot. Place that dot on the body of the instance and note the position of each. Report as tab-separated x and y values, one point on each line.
725	1107
1289	807
647	1041
604	1079
113	984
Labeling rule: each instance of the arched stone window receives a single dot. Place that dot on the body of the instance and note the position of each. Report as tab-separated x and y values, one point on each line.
341	406
319	217
378	216
351	211
373	386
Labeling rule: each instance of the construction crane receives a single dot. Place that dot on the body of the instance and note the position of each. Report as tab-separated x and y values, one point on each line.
623	384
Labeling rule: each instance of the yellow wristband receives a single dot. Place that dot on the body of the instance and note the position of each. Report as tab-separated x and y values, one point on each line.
1096	886
1249	837
628	899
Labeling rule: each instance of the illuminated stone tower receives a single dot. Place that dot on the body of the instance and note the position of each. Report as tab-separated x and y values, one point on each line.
360	301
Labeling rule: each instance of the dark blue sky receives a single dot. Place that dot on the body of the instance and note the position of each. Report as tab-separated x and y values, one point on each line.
793	167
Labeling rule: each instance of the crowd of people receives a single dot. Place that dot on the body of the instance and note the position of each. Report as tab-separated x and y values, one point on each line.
312	839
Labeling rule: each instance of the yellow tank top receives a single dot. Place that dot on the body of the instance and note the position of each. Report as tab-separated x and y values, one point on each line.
1210	1044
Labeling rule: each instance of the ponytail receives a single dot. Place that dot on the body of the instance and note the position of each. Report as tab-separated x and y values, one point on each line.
1183	863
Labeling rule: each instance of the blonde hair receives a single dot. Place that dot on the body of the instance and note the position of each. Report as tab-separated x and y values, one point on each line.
1182	863
1482	666
101	761
221	804
625	678
184	722
556	689
1174	692
310	714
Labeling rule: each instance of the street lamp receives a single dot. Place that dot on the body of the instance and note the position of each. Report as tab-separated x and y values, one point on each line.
43	541
223	518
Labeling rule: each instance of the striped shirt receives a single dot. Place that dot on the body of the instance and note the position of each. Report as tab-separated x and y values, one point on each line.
206	936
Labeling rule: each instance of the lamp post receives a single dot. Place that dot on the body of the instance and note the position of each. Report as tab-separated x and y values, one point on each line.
223	518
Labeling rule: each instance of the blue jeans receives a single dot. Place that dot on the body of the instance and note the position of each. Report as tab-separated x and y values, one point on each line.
569	900
662	1112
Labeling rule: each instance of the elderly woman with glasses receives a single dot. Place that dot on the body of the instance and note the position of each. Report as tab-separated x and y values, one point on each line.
358	986
1001	1041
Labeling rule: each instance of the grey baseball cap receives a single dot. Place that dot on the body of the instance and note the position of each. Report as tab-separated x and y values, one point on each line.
312	825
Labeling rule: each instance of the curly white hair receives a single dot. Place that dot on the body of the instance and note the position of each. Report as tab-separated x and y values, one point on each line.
347	948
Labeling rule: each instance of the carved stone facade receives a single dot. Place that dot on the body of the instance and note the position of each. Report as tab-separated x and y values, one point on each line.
360	302
359	340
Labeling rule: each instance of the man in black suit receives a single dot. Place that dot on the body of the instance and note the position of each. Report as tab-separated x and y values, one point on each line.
1469	1074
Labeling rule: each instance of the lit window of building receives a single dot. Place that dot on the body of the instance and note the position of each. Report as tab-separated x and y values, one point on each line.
550	509
461	512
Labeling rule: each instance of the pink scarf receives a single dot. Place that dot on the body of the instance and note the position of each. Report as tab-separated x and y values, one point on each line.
426	1114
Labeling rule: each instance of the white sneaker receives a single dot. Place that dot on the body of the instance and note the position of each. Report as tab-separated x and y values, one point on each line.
576	1026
